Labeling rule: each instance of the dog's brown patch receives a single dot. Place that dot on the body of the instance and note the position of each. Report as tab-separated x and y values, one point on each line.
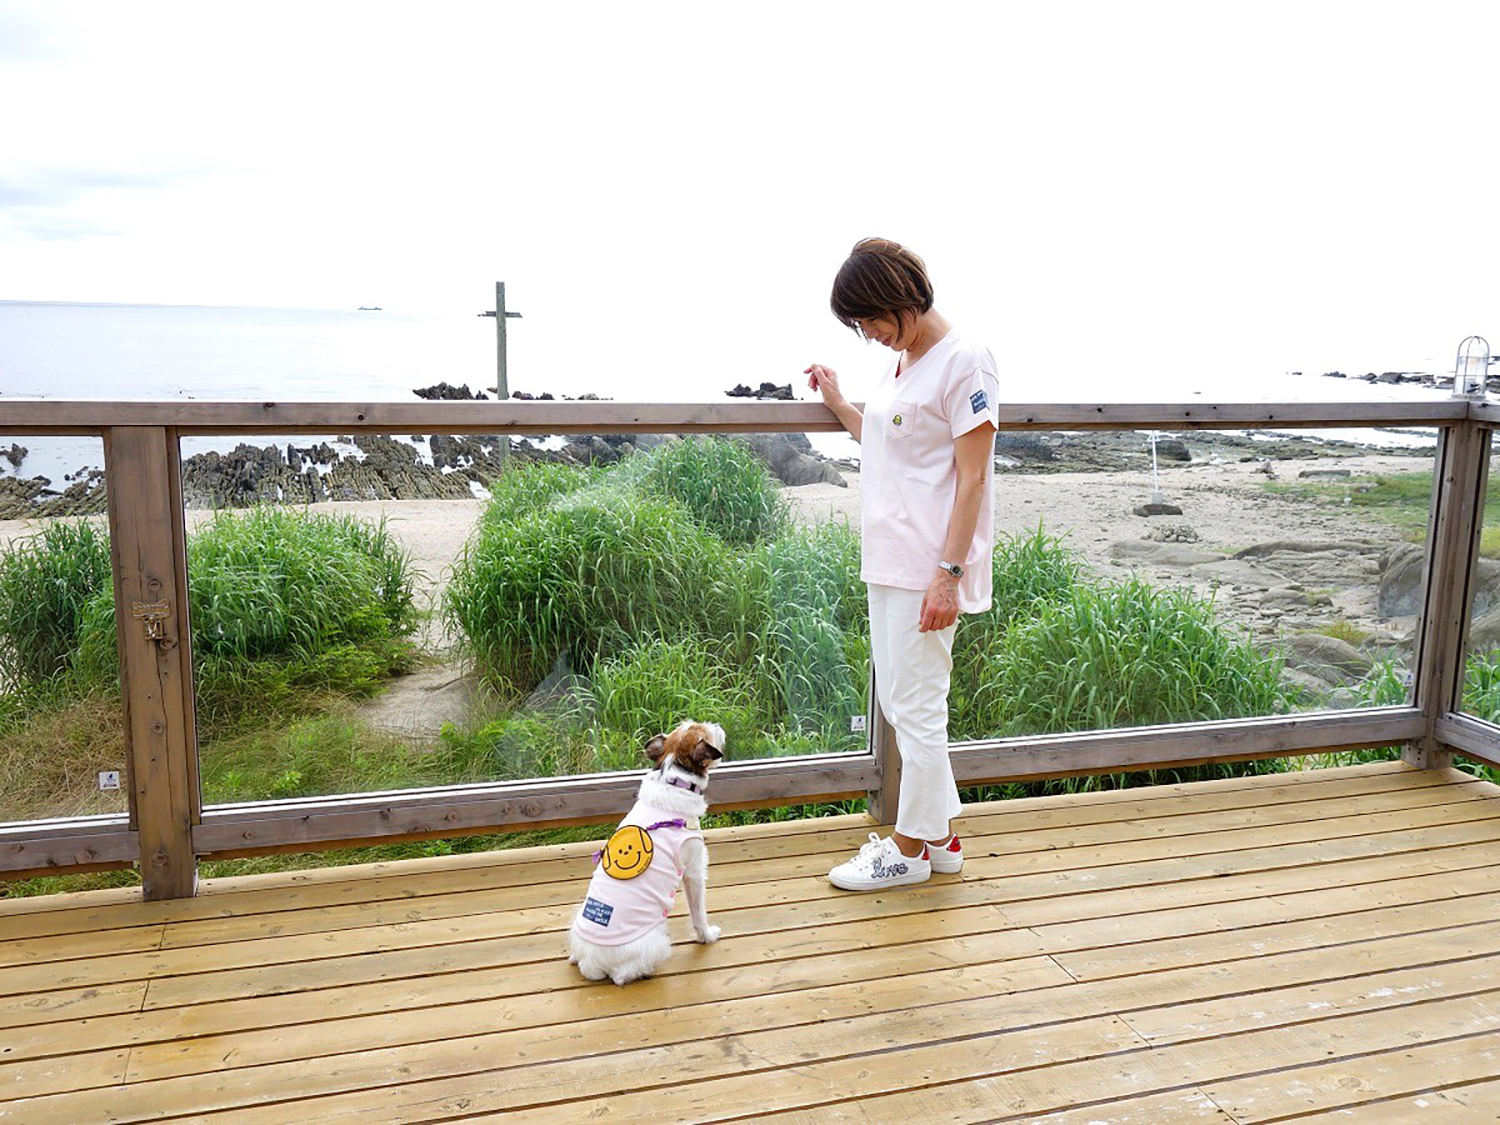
691	747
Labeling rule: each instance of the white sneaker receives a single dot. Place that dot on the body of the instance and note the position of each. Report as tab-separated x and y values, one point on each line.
880	864
947	859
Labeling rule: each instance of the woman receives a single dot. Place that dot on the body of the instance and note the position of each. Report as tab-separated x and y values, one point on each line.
927	463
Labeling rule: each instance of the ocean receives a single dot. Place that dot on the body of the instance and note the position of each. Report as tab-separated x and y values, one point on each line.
65	350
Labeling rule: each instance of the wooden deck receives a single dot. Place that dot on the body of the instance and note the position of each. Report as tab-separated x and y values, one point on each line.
1245	950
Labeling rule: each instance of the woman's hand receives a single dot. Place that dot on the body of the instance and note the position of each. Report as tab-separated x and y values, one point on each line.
825	380
939	604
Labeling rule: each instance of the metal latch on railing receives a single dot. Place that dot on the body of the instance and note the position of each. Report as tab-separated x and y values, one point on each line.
152	615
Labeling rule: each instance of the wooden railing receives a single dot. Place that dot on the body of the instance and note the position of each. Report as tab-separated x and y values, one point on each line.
167	829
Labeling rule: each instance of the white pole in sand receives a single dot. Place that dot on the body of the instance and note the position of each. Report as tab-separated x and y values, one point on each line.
1156	496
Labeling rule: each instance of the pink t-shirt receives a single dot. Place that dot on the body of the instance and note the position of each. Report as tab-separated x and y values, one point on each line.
635	883
909	476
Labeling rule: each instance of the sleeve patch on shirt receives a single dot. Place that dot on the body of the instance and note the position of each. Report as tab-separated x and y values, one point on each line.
979	401
596	911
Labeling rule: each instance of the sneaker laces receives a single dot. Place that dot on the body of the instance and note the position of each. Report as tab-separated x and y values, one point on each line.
865	860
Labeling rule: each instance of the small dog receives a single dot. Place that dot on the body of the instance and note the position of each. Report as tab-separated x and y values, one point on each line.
620	931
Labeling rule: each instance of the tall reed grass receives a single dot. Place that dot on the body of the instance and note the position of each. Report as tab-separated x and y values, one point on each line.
721	482
46	585
1120	654
583	580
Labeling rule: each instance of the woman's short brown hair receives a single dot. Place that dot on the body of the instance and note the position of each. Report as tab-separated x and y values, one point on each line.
880	278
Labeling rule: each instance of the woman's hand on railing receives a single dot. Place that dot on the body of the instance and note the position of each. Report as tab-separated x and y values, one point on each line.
825	380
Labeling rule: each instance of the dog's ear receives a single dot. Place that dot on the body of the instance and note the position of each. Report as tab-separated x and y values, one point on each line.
656	747
706	752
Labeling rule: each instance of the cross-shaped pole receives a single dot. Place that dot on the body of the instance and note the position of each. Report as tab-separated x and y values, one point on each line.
502	383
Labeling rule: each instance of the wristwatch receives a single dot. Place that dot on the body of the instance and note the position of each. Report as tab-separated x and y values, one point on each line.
952	568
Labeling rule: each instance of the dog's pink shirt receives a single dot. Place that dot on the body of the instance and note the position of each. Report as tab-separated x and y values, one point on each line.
621	910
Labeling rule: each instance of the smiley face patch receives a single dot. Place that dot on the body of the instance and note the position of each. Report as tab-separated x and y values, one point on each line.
628	852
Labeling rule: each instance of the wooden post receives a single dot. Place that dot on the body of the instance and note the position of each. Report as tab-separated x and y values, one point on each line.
502	379
1460	473
502	376
148	546
884	800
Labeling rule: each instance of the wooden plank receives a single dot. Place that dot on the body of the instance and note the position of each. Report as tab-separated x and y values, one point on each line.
150	568
1014	942
85	969
1198	921
1407	1074
768	860
1189	1104
422	814
716	947
1106	1066
802	880
1182	744
249	1047
513	417
30	1008
276	966
551	906
1119	946
768	1051
1347	906
1452	1103
1089	804
1010	879
1045	1002
1470	736
1453	547
891	1012
417	814
487	1036
71	855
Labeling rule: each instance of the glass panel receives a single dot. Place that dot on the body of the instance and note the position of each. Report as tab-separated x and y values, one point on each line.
61	724
1481	691
1243	574
432	609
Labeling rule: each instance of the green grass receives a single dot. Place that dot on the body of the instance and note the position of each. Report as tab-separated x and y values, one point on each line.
282	603
721	482
46	585
1400	500
1030	571
655	684
1119	654
1345	631
813	644
583	580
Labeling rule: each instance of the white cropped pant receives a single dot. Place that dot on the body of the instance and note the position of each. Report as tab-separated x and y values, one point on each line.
911	679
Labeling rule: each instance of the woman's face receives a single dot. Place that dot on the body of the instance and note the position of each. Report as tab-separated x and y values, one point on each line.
887	329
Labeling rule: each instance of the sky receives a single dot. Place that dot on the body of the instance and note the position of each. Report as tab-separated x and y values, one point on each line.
1142	188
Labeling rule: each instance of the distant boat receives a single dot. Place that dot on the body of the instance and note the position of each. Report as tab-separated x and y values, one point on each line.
370	308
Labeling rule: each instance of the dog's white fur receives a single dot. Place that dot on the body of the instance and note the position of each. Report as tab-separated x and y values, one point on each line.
641	957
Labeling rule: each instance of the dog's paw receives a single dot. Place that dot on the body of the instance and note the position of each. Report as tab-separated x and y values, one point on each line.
708	936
